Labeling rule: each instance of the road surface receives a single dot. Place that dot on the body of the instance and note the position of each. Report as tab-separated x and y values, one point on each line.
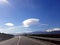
22	40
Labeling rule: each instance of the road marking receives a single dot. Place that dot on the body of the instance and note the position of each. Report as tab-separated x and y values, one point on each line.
18	40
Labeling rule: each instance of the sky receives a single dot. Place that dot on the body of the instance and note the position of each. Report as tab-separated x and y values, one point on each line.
23	16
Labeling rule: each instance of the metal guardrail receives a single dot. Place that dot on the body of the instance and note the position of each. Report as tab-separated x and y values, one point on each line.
46	38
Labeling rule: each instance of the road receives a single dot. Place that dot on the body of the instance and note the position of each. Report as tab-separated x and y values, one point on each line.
22	40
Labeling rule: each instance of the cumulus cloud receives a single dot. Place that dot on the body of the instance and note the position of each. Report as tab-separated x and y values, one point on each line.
54	29
29	22
9	24
4	1
15	29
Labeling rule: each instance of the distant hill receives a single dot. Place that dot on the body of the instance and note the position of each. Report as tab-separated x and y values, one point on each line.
53	34
44	32
38	32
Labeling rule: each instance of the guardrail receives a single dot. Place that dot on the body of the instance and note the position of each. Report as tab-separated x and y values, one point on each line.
47	38
53	40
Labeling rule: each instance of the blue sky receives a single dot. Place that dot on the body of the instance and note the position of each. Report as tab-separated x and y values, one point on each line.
38	15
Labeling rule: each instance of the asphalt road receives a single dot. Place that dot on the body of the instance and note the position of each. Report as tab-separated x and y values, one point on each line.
22	40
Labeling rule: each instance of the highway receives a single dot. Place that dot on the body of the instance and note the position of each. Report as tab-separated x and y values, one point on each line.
22	40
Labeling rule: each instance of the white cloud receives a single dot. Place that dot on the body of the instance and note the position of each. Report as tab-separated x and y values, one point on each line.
15	29
4	1
44	24
29	22
54	29
9	24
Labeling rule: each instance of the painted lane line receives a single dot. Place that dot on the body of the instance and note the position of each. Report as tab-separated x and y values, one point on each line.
18	40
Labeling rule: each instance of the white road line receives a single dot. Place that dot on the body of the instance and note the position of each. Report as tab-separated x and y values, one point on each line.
18	40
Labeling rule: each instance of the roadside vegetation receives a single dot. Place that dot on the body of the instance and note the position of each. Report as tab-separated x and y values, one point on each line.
4	36
44	35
